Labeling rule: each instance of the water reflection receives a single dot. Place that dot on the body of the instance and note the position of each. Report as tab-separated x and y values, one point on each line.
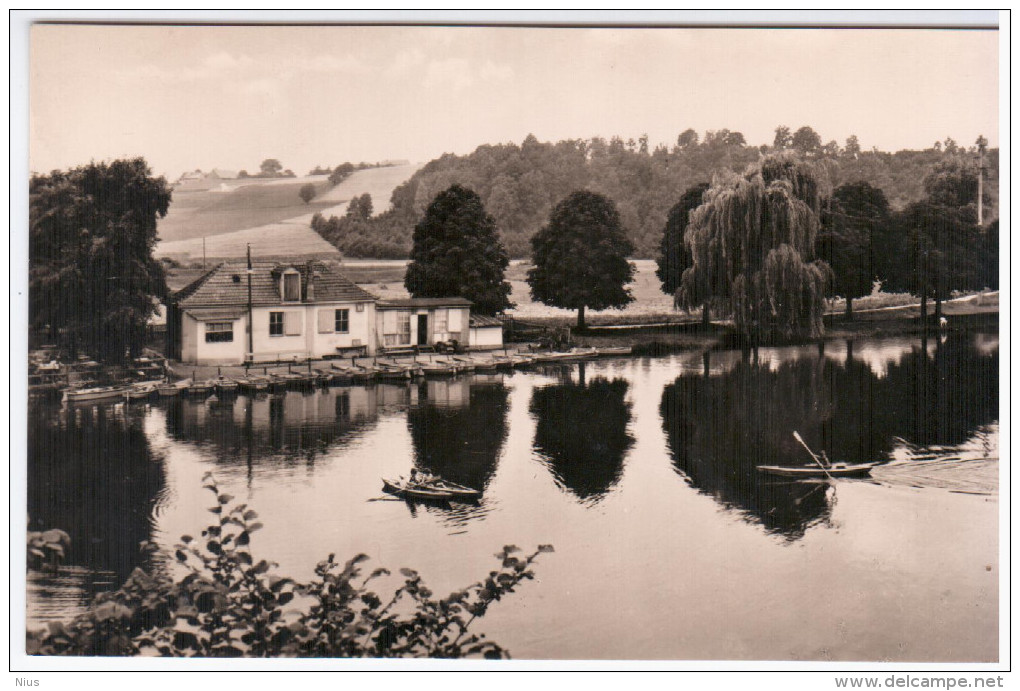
723	422
458	428
581	433
92	473
281	429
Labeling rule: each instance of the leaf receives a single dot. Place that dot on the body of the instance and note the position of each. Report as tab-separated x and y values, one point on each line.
261	567
510	549
254	526
408	573
186	539
226	498
546	548
249	515
214	547
243	538
181	556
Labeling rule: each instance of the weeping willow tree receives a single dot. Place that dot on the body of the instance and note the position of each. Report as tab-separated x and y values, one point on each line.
752	245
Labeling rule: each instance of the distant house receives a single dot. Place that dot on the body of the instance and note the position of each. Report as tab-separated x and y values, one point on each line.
421	322
298	310
221	174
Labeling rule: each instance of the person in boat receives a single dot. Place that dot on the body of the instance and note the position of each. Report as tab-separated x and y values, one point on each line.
422	477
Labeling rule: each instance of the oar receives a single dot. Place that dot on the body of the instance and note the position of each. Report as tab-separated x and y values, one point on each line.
825	470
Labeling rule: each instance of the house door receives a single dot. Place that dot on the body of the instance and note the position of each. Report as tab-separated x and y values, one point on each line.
423	329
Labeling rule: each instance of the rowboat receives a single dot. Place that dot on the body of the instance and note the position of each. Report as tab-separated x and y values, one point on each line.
140	392
225	386
440	490
613	350
173	388
485	365
201	388
391	372
252	384
821	468
834	470
437	369
97	393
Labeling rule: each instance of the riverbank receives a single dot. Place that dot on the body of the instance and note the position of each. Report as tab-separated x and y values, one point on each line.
969	314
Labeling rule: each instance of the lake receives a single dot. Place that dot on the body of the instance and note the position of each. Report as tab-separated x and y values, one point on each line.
640	471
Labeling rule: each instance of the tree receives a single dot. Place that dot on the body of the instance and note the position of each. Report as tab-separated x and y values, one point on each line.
674	256
687	139
857	213
937	250
270	168
581	256
734	139
360	207
783	138
953	182
806	140
307	192
242	174
341	173
752	242
92	277
457	252
852	148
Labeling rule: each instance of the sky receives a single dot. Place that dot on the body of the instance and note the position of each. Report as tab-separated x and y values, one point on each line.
187	97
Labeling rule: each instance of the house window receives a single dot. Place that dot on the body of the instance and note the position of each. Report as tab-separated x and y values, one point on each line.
276	323
439	325
292	287
219	332
396	328
343	321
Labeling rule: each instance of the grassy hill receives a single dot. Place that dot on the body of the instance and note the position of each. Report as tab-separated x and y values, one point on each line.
236	205
268	214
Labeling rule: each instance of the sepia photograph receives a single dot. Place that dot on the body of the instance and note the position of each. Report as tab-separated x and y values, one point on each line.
664	340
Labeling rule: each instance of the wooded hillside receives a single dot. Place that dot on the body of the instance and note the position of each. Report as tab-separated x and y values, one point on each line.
520	184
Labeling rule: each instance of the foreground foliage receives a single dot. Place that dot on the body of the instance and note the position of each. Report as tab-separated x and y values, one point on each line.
230	604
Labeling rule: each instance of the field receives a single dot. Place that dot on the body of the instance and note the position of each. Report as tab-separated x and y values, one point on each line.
267	214
378	182
205	213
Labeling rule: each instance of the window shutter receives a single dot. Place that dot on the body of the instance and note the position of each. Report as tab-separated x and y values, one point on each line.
326	322
292	323
454	321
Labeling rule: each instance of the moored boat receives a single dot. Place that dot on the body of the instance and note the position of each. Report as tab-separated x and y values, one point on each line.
141	392
225	386
201	388
97	393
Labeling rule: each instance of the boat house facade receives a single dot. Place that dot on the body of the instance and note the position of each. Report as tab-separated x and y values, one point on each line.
298	311
308	310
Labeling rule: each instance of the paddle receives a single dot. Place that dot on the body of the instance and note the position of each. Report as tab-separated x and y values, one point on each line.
796	436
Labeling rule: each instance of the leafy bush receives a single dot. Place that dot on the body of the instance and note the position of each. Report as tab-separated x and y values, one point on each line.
47	549
230	605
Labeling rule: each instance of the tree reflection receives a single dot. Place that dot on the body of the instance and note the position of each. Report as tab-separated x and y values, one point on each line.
92	473
581	432
458	429
719	428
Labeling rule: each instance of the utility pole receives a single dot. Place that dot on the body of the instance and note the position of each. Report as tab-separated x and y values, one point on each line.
982	146
251	342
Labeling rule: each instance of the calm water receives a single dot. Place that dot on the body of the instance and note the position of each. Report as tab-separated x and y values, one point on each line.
641	472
